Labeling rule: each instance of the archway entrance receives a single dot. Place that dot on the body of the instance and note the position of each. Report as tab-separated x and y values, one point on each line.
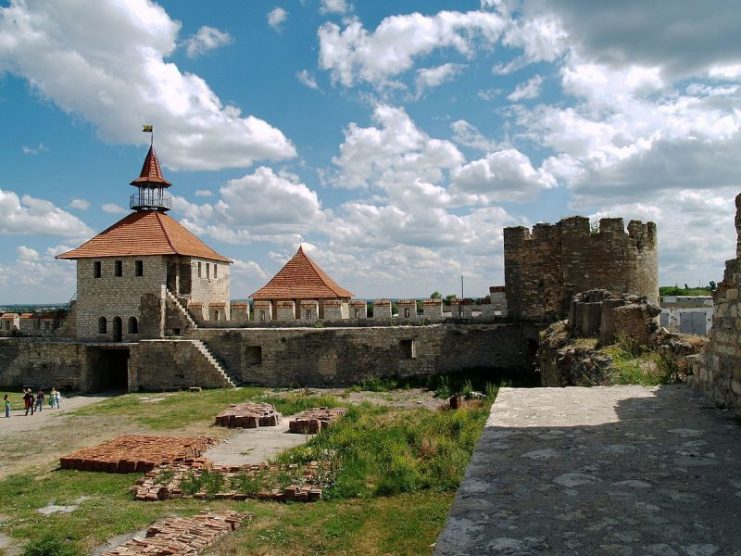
108	369
117	331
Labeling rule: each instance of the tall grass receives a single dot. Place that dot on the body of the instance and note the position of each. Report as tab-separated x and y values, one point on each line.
382	452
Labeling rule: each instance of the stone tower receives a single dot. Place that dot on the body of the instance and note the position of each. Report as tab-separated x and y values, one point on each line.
544	268
138	278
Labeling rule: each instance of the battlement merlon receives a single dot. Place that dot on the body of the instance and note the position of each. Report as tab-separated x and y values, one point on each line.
577	227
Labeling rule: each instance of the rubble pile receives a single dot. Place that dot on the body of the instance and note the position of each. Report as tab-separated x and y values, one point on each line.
136	453
312	421
181	535
235	482
248	415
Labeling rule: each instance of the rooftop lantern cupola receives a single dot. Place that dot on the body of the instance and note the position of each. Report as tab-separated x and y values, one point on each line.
152	186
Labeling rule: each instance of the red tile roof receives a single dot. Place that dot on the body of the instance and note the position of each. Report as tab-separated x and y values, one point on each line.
151	173
301	278
144	233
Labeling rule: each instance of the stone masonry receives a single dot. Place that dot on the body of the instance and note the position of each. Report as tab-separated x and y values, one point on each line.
718	369
545	267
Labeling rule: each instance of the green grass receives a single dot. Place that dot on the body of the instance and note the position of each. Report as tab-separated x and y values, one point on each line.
179	409
634	364
382	452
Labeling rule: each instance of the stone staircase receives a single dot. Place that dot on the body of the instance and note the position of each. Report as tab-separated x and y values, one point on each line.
200	346
182	309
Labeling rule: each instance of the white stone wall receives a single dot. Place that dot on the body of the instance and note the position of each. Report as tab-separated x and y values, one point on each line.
240	311
309	310
212	286
285	310
407	309
432	309
263	311
358	309
382	309
113	296
335	309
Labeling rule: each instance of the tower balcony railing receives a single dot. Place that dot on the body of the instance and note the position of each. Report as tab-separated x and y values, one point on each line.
150	199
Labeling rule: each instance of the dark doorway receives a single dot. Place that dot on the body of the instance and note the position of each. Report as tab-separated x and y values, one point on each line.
108	369
117	331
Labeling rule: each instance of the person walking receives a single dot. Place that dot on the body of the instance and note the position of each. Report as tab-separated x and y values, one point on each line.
57	398
7	405
39	400
52	395
28	400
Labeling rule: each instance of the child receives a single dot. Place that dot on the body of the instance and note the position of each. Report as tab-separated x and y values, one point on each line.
7	405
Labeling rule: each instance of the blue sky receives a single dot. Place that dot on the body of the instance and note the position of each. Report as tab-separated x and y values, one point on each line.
396	138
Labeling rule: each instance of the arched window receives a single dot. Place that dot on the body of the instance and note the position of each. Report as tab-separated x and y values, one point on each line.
133	325
102	325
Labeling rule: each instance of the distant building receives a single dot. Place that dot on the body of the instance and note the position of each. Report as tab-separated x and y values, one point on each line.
9	322
301	290
687	314
135	279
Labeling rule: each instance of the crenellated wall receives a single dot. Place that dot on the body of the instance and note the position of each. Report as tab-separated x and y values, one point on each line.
545	267
717	370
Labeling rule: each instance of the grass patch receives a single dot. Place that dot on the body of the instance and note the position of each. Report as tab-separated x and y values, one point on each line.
636	364
381	452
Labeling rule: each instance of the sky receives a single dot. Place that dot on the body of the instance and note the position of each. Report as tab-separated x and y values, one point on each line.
395	139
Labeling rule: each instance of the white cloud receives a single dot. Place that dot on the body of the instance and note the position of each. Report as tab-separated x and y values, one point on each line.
306	78
353	54
468	135
30	215
37	278
34	150
334	7
113	208
276	17
505	175
393	156
204	193
116	77
206	38
528	90
427	78
79	204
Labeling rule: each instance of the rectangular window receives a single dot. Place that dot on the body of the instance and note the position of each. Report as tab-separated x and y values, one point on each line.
216	270
139	265
208	270
253	355
96	269
408	349
118	269
199	269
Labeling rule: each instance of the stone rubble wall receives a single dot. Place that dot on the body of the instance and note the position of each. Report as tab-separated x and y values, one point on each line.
717	370
545	267
43	364
346	356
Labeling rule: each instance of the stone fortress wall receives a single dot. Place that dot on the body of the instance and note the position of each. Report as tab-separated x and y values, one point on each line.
545	267
717	370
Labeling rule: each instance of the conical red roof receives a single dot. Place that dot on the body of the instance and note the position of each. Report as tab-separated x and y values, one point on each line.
151	173
301	278
144	233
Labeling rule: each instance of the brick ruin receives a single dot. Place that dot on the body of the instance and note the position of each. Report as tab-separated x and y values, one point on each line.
717	370
544	268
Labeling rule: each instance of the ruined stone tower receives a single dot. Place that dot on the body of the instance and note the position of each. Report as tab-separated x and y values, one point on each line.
546	267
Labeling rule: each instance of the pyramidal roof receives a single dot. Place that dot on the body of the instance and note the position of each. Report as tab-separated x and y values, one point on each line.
301	278
144	233
151	173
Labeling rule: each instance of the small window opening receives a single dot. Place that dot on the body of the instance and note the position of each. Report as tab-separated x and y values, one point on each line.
216	270
253	355
102	325
208	270
139	268
97	269
408	349
406	313
263	317
199	269
118	268
133	325
356	313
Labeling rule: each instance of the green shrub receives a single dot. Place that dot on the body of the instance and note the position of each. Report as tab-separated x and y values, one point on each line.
51	545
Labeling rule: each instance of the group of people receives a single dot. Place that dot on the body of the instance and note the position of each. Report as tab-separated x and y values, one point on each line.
33	403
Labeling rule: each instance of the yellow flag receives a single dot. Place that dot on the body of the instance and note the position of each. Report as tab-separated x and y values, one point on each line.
147	128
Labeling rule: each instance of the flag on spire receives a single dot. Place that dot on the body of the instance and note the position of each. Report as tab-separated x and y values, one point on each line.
147	128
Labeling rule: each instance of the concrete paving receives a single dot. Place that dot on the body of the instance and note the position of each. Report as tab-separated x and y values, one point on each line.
607	470
246	446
